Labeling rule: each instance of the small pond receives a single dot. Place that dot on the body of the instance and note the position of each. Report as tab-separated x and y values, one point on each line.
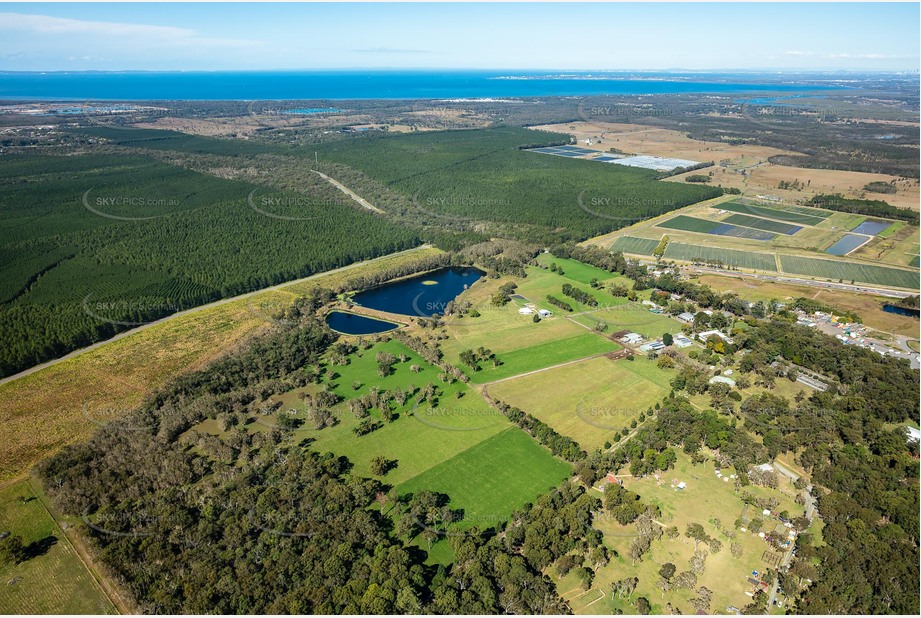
422	295
890	308
353	324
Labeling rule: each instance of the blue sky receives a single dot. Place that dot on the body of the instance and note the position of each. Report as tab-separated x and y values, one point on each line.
787	36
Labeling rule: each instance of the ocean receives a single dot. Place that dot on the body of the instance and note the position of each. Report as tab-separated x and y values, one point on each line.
376	84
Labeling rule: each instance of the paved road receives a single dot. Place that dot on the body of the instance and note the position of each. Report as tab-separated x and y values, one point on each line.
216	303
847	287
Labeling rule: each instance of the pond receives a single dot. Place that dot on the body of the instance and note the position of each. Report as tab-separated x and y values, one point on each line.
871	228
848	243
890	308
353	324
422	295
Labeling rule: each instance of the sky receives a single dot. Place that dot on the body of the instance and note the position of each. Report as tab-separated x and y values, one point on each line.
616	36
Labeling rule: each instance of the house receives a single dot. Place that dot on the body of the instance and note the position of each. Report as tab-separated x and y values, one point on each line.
681	341
686	317
682	485
653	346
544	313
914	435
708	333
632	338
722	380
766	467
525	311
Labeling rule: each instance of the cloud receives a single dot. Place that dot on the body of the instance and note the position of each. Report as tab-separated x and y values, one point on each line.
390	50
799	53
45	24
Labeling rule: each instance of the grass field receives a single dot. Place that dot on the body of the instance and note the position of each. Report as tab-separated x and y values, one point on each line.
636	246
705	499
812	217
634	317
542	355
492	479
55	580
762	224
892	230
421	437
539	283
43	411
576	270
730	257
588	401
849	271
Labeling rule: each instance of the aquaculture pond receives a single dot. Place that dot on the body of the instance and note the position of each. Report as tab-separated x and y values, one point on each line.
353	324
871	228
848	243
422	295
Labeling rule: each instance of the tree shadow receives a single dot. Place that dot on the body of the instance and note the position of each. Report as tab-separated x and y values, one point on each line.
40	547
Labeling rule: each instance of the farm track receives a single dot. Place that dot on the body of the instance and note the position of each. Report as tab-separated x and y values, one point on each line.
360	200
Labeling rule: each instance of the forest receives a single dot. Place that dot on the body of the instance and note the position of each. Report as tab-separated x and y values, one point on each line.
486	176
159	239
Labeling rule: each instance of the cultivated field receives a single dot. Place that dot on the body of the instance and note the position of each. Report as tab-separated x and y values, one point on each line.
849	271
693	235
730	257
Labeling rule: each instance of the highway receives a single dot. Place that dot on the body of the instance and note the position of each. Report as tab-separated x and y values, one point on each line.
830	285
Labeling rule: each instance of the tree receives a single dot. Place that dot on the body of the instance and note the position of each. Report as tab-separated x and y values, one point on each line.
736	550
638	547
667	339
685	579
642	606
381	466
696	531
586	576
12	549
702	601
698	561
668	570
